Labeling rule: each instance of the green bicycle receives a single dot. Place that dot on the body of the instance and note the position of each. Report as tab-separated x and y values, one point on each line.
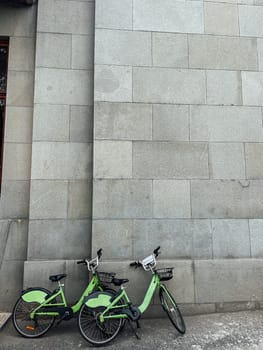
101	316
37	308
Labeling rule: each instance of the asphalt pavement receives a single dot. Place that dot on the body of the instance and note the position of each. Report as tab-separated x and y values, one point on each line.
225	331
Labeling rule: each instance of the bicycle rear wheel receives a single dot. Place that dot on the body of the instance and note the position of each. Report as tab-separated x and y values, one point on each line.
24	325
94	331
171	308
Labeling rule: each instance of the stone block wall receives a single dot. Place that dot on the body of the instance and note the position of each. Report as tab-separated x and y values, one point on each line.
17	24
163	147
61	173
177	144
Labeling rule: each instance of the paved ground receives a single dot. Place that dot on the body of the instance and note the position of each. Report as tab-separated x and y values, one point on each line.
229	331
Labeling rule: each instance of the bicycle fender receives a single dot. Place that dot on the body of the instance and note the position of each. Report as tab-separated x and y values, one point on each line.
98	299
37	295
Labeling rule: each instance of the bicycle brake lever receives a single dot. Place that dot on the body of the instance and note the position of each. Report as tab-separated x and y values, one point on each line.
99	253
81	262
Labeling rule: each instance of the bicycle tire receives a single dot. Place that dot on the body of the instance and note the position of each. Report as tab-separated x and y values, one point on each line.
95	332
30	328
171	308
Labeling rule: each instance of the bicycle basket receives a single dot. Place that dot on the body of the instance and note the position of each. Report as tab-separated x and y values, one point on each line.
165	274
106	277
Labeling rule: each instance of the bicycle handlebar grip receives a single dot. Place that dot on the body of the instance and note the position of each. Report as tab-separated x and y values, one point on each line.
99	253
136	264
156	251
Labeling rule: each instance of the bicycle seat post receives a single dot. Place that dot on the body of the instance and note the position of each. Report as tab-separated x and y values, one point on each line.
60	284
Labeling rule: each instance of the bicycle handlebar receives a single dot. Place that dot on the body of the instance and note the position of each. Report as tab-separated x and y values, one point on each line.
139	264
136	264
89	262
82	262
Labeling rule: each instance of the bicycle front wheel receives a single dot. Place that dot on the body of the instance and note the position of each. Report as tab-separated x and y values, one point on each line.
24	325
171	308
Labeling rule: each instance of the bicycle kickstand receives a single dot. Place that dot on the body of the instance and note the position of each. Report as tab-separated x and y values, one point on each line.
60	320
133	329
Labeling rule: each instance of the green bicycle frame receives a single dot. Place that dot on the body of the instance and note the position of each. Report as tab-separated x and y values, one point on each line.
47	303
155	282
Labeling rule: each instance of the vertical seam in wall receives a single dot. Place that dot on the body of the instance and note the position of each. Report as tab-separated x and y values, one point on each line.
194	280
189	121
132	167
241	88
71	53
132	82
152	201
212	238
206	87
132	14
133	238
92	181
188	51
68	216
5	241
191	206
245	160
209	162
249	236
204	17
259	68
193	233
152	121
238	20
152	48
69	123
